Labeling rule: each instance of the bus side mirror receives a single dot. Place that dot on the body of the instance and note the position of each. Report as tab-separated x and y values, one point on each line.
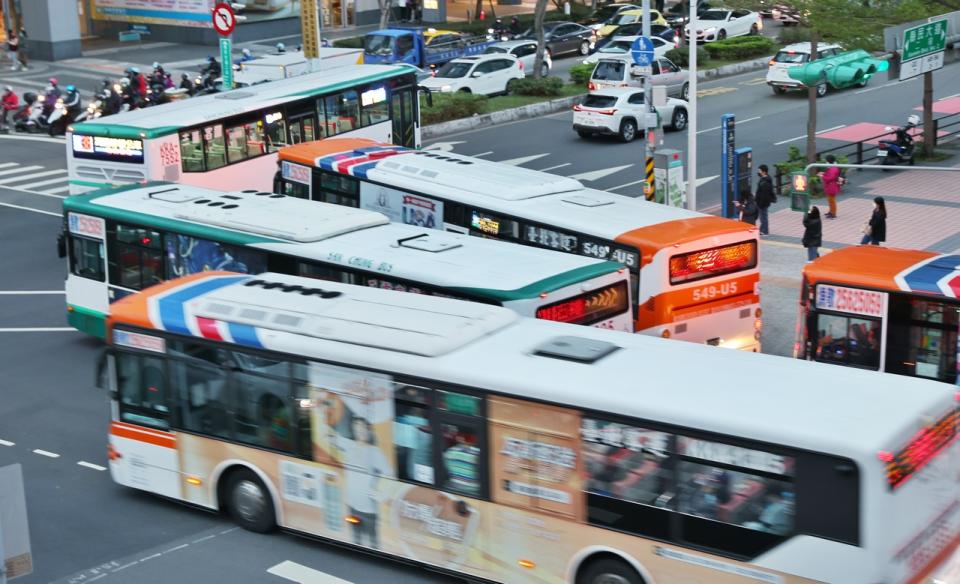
62	244
423	89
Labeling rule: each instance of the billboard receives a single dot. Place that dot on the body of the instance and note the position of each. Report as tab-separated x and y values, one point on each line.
193	13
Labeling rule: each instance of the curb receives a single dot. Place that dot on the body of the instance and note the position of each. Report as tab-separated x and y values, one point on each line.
556	105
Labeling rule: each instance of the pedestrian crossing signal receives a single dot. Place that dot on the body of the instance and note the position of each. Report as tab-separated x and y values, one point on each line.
800	192
800	183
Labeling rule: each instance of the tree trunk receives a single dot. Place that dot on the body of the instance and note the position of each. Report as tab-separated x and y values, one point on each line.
812	106
538	16
385	7
929	134
478	9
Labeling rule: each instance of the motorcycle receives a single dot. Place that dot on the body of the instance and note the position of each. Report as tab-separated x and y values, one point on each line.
94	110
36	118
899	151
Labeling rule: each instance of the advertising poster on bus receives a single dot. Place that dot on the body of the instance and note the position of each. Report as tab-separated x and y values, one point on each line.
402	207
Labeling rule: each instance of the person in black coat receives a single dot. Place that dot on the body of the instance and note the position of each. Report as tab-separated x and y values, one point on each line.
748	209
812	233
875	231
765	197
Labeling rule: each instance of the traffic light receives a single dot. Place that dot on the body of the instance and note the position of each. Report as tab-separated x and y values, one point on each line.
799	191
840	71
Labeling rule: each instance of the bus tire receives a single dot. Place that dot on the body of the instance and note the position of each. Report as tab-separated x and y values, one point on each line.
608	570
249	502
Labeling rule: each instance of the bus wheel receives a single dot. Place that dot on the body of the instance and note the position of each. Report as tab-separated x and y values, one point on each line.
249	502
608	571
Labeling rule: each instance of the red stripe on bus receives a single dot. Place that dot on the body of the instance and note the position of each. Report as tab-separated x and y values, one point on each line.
936	561
208	328
140	434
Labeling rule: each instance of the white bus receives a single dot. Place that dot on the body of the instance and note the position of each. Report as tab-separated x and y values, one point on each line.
695	277
123	240
229	140
464	438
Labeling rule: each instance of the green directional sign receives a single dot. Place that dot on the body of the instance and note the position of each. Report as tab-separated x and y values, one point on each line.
924	39
226	61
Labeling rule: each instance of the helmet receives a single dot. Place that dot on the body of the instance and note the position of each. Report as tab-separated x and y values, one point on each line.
71	88
281	47
913	120
135	70
53	81
210	59
156	65
124	82
246	52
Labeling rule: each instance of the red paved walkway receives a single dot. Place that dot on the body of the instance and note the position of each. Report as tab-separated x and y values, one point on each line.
868	132
950	105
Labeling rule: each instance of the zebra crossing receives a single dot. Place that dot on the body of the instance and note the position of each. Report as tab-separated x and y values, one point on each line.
34	179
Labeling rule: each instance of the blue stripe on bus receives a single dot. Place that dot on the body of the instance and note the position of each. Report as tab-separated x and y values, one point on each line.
360	170
925	278
244	334
172	316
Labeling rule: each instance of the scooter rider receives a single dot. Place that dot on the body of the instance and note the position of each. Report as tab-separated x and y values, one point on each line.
187	84
10	103
110	100
516	29
246	56
72	103
211	71
53	88
904	138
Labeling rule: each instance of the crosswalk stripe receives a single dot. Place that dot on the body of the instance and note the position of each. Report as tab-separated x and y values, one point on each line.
7	164
44	183
31	176
56	191
303	575
20	169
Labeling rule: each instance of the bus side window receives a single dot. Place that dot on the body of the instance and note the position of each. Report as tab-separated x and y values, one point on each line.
191	151
376	107
236	144
264	405
330	273
213	147
142	390
199	383
136	258
86	258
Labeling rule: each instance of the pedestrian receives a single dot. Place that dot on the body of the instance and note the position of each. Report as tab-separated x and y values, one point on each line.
749	211
765	197
23	48
831	185
403	11
875	230
812	233
13	48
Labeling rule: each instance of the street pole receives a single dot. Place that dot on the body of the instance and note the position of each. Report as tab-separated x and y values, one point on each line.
929	135
692	123
647	100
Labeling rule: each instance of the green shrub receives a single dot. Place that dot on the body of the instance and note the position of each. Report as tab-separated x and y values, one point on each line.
451	106
680	56
545	86
580	74
349	43
797	161
794	34
741	48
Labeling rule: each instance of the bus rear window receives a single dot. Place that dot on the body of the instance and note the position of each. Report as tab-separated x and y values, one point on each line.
590	307
712	262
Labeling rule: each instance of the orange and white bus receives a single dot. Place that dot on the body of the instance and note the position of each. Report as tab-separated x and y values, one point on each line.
465	438
695	277
892	310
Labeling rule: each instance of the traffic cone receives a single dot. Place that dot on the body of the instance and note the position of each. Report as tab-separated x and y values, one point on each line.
483	14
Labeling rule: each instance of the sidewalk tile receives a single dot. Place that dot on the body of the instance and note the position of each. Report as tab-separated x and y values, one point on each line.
921	184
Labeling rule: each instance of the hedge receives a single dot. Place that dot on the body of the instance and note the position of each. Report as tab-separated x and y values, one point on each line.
679	56
545	86
741	48
452	106
580	74
794	34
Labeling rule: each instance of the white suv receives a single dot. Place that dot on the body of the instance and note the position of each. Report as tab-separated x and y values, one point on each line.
481	74
620	111
791	56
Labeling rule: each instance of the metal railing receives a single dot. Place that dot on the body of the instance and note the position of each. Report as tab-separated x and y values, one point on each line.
863	153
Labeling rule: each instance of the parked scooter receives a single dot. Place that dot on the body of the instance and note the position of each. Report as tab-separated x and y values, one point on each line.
899	151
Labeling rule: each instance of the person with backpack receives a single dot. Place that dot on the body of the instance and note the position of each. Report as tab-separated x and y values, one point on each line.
749	211
765	197
812	233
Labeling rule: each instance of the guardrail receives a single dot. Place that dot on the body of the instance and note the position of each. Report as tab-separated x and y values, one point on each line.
863	153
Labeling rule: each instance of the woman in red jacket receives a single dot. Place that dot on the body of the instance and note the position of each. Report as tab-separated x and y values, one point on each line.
10	103
831	186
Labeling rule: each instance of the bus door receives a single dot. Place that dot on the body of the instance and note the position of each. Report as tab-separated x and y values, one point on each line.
403	111
923	337
302	126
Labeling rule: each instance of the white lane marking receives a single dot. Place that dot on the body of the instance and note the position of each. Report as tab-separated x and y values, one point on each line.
8	164
86	464
33	175
523	159
46	453
442	146
38	329
49	181
43	193
179	547
748	120
123	567
831	129
6	443
949	97
708	130
549	168
12	206
299	573
629	184
482	154
29	292
60	141
704	180
104	575
598	174
20	169
204	538
780	143
54	191
156	555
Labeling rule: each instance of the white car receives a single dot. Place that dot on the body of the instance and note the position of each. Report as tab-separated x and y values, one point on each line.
525	51
717	24
482	74
619	71
620	111
792	56
621	45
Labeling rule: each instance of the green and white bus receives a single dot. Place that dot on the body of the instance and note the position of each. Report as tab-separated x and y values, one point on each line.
126	239
230	140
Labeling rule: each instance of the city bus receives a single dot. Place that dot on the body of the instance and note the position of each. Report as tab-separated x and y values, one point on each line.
229	140
123	240
464	438
695	277
884	309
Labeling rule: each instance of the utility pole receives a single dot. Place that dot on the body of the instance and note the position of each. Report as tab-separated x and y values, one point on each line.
929	135
647	101
692	124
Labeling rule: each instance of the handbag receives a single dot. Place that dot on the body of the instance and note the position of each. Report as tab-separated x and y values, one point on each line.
867	230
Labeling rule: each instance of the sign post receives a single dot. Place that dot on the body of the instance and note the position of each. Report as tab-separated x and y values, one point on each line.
224	21
728	144
642	54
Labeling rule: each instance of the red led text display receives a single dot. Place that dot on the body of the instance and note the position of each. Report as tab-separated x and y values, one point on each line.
590	307
922	448
712	262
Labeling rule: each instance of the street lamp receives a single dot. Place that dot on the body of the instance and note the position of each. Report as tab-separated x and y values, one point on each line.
692	95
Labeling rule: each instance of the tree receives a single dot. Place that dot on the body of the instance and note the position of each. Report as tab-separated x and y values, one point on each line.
538	16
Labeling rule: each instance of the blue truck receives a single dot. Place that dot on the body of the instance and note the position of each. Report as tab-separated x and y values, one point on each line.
420	47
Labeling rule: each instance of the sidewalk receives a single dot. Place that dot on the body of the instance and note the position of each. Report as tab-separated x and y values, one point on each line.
923	209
